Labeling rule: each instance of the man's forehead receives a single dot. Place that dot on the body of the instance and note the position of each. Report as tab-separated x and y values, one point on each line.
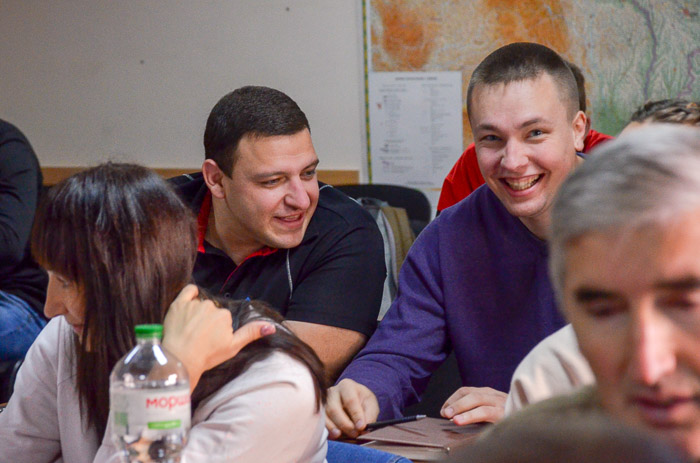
661	252
277	154
516	102
259	137
544	85
262	145
499	86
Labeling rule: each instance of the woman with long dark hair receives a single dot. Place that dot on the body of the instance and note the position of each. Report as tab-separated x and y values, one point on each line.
119	246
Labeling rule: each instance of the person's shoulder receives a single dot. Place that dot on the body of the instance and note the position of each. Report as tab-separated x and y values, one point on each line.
190	188
187	180
336	209
274	396
8	130
593	139
482	202
581	401
22	151
280	366
53	332
49	349
278	373
562	340
458	220
462	165
554	366
277	366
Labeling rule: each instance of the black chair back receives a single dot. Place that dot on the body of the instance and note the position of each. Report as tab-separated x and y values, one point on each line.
414	201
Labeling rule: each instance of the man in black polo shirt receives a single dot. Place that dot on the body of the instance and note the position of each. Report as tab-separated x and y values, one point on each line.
269	230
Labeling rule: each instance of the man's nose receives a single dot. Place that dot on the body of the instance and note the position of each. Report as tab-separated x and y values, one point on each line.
653	348
297	197
514	156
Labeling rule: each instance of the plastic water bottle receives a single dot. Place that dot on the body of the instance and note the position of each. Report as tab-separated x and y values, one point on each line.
149	397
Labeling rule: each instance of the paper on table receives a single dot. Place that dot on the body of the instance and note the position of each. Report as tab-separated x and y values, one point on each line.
429	439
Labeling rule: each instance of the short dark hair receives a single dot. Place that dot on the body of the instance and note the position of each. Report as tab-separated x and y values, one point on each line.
283	340
256	111
523	61
121	233
580	84
676	111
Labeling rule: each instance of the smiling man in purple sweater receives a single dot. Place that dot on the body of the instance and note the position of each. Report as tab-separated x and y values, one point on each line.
476	279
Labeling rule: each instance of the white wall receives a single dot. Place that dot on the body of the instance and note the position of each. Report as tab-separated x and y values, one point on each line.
134	80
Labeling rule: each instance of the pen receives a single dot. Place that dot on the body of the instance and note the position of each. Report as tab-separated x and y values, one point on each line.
405	419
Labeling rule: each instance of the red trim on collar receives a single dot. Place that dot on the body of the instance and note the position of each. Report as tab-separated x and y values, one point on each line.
264	251
203	221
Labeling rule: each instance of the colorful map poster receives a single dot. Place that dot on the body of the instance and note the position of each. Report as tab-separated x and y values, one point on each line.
630	51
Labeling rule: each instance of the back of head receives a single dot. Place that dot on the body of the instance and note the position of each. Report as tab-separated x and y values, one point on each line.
571	439
645	177
124	237
283	340
674	111
525	61
252	111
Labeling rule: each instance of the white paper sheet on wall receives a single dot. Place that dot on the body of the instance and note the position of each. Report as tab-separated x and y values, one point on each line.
415	126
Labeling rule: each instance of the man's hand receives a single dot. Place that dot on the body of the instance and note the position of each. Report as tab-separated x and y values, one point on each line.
201	335
350	406
474	405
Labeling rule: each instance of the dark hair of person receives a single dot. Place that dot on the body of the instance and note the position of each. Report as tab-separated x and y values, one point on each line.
580	84
525	61
253	111
573	438
124	237
282	340
676	111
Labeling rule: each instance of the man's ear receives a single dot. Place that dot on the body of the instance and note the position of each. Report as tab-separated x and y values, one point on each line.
213	177
579	126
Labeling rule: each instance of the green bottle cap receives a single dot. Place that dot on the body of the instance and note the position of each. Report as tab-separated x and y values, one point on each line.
148	331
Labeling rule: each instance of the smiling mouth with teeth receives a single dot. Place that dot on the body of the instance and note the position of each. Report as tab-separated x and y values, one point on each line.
522	184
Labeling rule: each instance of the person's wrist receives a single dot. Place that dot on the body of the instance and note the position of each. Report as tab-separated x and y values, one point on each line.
192	363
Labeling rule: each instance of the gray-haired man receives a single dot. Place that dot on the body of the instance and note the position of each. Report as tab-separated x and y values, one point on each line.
625	263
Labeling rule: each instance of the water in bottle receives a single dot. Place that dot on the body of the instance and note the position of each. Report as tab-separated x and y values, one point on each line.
150	401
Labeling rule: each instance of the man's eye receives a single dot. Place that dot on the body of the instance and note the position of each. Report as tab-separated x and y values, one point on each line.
536	133
489	138
271	182
309	174
603	309
683	301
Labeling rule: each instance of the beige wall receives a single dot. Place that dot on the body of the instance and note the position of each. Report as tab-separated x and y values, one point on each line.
134	80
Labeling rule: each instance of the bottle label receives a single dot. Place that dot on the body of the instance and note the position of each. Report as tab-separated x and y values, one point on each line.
148	414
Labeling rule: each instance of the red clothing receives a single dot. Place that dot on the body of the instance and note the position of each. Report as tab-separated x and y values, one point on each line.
465	175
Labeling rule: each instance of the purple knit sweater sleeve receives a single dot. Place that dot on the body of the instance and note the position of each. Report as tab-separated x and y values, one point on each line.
475	281
411	340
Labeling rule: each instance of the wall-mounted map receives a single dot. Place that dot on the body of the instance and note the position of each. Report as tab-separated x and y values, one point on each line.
630	51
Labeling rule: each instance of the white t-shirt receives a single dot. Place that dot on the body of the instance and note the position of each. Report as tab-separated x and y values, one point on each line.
266	414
